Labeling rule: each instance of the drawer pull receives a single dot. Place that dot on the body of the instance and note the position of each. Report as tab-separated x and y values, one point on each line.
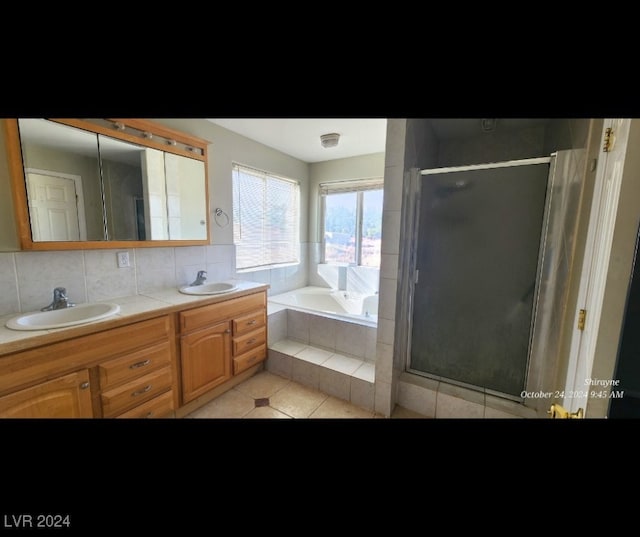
252	321
251	341
227	331
84	385
149	415
252	359
140	364
140	392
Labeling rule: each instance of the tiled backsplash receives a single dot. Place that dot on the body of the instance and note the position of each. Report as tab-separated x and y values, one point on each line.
27	279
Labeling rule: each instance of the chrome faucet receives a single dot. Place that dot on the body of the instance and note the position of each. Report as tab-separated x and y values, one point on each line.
201	278
60	300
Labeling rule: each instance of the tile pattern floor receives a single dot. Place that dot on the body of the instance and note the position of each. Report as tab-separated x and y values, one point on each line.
266	395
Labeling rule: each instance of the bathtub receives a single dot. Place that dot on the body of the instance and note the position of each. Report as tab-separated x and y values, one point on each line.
343	305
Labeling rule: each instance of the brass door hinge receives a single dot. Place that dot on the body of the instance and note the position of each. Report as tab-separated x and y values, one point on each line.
608	140
582	316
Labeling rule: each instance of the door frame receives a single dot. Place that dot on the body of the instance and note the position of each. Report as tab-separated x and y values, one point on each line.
77	179
595	265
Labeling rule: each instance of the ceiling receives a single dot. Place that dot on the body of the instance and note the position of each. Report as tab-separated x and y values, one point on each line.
300	137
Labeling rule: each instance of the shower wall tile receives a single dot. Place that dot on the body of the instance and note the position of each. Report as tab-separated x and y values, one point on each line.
387	303
395	142
390	232
383	402
104	279
499	404
462	393
389	266
386	330
384	363
491	413
393	176
417	398
449	406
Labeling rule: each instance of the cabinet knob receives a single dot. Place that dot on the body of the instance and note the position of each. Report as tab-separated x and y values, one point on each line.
227	331
84	385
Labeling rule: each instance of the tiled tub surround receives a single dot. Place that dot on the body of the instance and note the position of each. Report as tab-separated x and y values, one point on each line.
331	303
331	355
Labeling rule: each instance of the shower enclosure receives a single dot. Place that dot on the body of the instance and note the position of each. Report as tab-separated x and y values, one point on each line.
484	257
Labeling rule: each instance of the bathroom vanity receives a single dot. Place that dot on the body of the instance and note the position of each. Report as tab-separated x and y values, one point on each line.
165	361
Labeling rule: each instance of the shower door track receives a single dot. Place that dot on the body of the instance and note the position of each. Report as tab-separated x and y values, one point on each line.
488	166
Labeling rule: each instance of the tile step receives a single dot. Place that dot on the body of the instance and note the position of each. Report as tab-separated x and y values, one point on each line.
345	377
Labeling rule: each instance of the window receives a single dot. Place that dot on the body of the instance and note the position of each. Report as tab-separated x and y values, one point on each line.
352	222
266	218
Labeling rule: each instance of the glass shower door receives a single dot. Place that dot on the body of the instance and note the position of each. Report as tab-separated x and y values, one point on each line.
478	243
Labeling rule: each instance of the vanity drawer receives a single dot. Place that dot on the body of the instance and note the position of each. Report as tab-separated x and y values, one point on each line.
158	407
249	341
247	323
205	315
249	359
133	365
128	395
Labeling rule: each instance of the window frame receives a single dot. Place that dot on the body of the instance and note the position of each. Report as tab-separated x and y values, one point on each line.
359	187
237	167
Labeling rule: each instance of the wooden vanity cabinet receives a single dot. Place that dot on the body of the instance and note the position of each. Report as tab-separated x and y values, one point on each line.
206	359
127	371
219	341
65	397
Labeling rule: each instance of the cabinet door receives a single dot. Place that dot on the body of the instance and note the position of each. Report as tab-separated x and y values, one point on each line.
206	360
65	397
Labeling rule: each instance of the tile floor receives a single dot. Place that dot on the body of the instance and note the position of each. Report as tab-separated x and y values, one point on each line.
267	395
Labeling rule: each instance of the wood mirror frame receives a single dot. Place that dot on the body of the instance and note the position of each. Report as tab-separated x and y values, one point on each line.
141	132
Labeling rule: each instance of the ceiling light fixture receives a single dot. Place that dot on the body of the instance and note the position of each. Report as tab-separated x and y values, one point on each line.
329	140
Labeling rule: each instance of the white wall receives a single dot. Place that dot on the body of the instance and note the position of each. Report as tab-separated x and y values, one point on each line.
27	279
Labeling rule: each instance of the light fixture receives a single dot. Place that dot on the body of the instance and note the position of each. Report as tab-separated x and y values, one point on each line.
329	140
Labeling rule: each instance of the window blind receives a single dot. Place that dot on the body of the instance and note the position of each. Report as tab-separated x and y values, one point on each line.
351	186
266	218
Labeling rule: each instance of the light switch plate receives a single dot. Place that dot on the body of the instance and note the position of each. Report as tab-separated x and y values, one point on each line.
123	259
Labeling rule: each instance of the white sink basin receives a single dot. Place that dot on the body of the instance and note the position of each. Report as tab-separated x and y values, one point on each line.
80	314
208	288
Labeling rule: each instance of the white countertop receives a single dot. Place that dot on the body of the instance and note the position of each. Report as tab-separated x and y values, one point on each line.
159	301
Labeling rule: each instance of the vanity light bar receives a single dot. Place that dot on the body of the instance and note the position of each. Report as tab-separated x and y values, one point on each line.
118	125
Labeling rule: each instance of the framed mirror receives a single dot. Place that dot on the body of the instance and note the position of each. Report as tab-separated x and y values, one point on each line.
107	184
